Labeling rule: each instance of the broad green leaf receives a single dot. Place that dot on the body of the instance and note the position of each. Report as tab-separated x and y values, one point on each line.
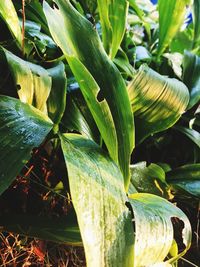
80	43
196	21
191	77
98	196
154	229
32	81
113	22
22	127
55	230
57	99
186	178
99	109
9	15
157	101
149	179
171	17
192	134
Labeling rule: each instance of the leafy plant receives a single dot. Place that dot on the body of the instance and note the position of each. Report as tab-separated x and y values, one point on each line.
80	81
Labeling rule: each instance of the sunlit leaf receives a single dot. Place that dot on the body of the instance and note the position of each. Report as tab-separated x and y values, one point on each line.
157	101
171	17
9	15
22	127
33	82
113	22
80	43
98	196
154	229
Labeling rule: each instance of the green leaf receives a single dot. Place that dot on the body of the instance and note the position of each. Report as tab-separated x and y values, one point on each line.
99	109
149	179
80	43
154	229
113	16
32	81
9	15
34	12
171	17
55	230
192	134
196	22
77	116
57	99
191	77
98	196
22	127
157	101
186	178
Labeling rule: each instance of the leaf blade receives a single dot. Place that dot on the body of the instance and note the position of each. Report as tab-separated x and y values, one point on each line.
98	196
22	128
84	44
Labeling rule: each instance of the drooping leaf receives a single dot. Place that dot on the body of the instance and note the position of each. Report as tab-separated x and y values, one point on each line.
98	196
171	17
154	229
55	230
80	43
149	179
22	127
9	15
192	134
33	82
157	101
57	99
113	22
191	76
186	178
